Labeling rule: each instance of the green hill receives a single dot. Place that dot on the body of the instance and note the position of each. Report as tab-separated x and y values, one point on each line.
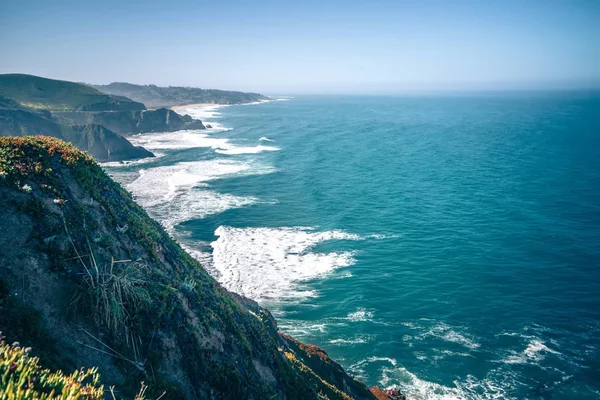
157	96
54	95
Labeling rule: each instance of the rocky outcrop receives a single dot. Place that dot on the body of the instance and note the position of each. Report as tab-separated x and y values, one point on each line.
101	143
105	145
131	122
387	394
88	279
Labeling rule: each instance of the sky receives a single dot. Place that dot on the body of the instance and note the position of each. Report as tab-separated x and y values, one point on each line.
285	47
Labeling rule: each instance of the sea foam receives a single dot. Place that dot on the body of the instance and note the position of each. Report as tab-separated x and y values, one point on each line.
270	263
180	192
535	351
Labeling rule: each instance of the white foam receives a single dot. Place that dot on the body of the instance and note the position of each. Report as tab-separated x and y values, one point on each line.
360	315
246	150
207	113
258	102
356	340
442	331
180	140
271	263
179	192
535	351
132	162
415	388
302	328
265	139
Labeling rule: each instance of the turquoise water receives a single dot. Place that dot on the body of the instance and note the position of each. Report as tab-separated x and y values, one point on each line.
447	245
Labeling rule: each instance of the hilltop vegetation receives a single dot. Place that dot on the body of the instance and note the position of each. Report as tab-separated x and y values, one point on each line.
88	280
156	96
55	95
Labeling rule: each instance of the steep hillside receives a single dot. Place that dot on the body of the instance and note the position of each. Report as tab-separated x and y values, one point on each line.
54	95
156	96
129	122
103	144
88	279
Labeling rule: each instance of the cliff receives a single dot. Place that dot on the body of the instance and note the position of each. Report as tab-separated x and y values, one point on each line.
156	96
130	122
101	143
55	95
87	279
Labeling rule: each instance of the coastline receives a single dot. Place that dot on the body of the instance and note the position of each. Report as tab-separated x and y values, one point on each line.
199	105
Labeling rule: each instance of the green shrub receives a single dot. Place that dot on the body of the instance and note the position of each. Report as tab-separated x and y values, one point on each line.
23	379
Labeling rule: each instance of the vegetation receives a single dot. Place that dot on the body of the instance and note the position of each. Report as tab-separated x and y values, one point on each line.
23	379
161	318
156	96
112	294
54	95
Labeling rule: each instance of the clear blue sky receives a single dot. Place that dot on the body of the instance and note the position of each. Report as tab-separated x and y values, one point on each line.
307	46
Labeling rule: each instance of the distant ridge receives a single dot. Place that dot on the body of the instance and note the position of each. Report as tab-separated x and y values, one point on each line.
56	95
157	96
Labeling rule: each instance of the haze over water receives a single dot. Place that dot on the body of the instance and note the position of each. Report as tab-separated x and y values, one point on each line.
447	245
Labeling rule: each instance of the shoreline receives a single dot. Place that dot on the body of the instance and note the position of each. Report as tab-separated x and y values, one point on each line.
207	105
200	105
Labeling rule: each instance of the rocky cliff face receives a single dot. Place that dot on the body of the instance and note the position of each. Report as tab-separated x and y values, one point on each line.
131	122
88	279
101	143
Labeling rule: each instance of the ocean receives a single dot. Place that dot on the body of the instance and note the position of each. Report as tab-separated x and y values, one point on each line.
448	245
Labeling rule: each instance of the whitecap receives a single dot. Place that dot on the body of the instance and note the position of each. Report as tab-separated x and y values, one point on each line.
233	150
356	340
180	192
392	375
125	163
265	139
271	263
179	140
360	315
535	351
207	113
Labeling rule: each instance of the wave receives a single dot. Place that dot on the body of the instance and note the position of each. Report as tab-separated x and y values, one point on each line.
132	162
535	351
356	340
265	139
179	192
360	315
302	328
207	113
393	375
271	263
180	140
194	139
252	103
246	150
442	331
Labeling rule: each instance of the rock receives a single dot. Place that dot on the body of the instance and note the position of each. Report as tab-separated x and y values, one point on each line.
132	122
387	394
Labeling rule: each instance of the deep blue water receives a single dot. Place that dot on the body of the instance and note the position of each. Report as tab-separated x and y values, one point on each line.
447	245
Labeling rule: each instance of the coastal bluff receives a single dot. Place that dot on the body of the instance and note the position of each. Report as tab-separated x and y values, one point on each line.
87	279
